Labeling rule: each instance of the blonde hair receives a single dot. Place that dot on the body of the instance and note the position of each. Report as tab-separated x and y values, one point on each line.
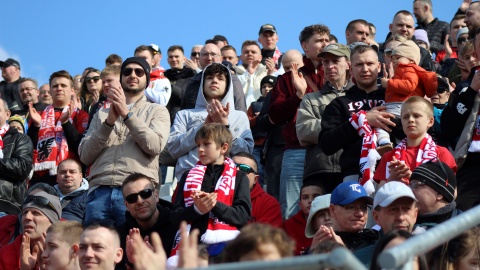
69	230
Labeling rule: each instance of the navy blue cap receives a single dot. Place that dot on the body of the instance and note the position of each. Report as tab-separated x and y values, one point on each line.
348	192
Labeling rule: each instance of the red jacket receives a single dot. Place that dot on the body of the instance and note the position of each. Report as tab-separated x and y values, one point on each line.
295	228
285	103
10	255
411	80
265	208
7	229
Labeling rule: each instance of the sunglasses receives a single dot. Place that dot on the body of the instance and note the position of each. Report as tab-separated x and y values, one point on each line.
388	52
40	201
461	40
138	71
145	194
246	169
94	78
414	184
195	54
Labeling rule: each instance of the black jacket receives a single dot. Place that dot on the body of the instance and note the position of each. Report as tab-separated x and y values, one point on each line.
236	215
163	227
15	166
9	92
337	132
179	79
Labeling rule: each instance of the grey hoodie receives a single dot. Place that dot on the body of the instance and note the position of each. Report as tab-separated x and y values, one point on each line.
181	142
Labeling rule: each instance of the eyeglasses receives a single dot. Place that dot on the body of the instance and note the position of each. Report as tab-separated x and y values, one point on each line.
138	71
94	78
145	194
246	169
461	40
27	89
40	201
207	54
388	52
195	54
414	184
354	208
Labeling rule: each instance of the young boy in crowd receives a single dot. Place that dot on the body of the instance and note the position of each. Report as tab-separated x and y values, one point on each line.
214	105
417	148
214	196
295	226
409	79
267	84
61	246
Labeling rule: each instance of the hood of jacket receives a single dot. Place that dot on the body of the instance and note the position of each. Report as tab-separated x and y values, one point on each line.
83	186
202	103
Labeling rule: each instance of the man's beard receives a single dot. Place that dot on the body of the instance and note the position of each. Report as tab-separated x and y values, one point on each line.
132	90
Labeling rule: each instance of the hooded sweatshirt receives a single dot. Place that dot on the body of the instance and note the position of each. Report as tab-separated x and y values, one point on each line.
181	142
73	203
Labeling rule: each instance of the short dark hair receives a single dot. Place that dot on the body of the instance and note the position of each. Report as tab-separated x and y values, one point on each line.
403	12
311	30
457	17
333	37
210	41
310	184
71	160
174	48
250	42
217	69
22	80
61	74
142	48
249	156
216	132
137	176
352	24
113	58
228	47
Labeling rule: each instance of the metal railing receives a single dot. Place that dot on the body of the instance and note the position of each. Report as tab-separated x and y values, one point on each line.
340	258
399	257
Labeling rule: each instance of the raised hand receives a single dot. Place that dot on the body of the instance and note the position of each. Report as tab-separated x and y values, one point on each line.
298	81
270	64
217	113
146	258
34	115
188	248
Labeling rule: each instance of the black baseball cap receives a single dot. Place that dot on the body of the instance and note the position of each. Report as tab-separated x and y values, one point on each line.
267	28
10	62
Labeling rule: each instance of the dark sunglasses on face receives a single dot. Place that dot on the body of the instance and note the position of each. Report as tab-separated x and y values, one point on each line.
138	71
195	54
40	201
461	40
145	194
95	79
246	169
388	52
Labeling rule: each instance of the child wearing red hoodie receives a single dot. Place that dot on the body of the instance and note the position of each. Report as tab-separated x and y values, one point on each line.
409	79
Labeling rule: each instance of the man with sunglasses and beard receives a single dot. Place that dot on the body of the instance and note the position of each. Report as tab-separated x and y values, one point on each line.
265	208
124	137
146	213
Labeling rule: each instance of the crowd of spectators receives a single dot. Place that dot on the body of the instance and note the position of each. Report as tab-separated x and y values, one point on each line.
362	145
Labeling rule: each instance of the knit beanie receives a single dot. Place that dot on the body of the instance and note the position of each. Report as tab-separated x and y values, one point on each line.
461	31
442	180
45	204
19	119
138	60
268	79
421	35
408	49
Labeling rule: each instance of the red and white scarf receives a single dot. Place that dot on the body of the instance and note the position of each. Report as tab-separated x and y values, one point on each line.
3	130
475	143
52	146
217	230
427	152
276	56
368	155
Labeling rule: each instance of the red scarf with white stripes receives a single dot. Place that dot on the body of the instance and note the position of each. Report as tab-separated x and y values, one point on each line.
52	146
3	130
427	151
217	230
475	143
276	56
368	158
